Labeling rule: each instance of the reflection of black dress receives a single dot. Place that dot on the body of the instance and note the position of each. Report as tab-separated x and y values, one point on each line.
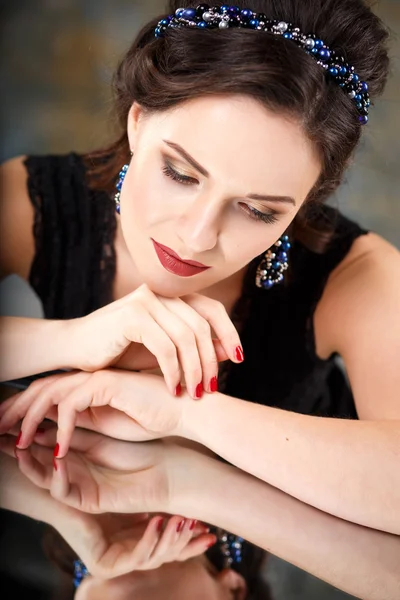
74	268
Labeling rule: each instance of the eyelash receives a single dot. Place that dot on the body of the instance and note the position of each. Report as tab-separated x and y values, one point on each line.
253	213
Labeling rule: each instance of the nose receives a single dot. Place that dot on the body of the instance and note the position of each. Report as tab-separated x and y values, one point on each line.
199	226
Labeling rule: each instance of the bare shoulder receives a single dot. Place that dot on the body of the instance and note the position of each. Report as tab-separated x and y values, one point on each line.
367	278
17	246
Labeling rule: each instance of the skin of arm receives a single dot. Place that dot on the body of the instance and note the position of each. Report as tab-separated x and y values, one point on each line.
361	561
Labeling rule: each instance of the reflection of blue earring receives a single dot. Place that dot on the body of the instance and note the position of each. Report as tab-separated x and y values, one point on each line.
121	176
273	264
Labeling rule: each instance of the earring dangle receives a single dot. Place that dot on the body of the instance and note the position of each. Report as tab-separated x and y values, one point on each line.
273	264
117	196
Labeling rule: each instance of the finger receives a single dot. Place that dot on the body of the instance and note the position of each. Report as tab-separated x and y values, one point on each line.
215	313
7	445
60	486
51	395
154	337
202	331
163	551
197	546
38	473
147	543
15	408
185	342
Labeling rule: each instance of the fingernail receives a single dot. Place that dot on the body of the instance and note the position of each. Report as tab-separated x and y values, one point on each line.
199	391
180	526
239	354
214	384
160	525
192	525
178	390
18	438
55	465
56	450
40	430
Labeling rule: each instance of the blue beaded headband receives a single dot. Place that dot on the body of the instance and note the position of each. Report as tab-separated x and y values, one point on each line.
224	17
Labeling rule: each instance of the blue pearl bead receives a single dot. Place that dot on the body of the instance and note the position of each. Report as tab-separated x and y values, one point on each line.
343	70
179	12
319	43
254	23
324	53
189	13
364	86
224	8
363	119
288	35
285	238
314	51
355	78
201	24
246	13
342	85
359	105
234	10
358	97
267	284
334	71
276	264
283	256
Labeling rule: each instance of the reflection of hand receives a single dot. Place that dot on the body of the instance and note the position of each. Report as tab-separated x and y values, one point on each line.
100	474
109	544
142	397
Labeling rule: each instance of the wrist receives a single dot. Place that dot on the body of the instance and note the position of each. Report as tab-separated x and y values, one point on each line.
198	419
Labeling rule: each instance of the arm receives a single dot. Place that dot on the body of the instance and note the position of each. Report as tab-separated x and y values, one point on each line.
350	469
30	346
360	561
347	468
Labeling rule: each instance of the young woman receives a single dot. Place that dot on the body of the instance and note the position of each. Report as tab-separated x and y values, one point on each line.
238	124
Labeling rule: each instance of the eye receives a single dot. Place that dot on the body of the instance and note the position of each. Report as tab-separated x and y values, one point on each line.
170	172
253	213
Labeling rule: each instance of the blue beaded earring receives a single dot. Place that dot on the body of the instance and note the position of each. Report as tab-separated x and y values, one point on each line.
273	264
120	181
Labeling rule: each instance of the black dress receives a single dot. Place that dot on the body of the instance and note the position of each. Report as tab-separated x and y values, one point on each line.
74	268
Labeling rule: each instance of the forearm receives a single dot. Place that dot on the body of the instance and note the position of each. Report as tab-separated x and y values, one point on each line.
347	468
361	561
30	346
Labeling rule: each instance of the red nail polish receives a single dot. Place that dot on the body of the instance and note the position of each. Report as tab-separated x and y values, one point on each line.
199	390
239	354
192	525
40	430
178	390
214	385
56	450
18	438
55	465
180	526
160	525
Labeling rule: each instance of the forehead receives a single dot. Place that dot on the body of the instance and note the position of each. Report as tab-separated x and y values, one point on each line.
237	136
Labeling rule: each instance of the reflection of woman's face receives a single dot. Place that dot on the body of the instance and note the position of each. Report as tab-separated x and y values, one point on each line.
205	213
195	579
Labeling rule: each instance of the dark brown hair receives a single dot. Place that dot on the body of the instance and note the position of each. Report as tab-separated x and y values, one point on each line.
160	73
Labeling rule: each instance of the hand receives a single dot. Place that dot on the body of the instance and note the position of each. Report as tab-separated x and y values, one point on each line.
142	397
111	545
176	332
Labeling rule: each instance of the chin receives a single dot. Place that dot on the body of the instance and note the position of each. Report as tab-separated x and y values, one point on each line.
171	286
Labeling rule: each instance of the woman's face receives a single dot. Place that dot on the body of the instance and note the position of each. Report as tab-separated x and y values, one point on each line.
218	180
195	579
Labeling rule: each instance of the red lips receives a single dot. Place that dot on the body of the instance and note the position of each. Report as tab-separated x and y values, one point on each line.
176	265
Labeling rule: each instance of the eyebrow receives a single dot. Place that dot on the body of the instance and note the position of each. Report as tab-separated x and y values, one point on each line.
186	156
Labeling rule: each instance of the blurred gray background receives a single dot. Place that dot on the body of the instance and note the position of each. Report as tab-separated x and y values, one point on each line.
57	60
